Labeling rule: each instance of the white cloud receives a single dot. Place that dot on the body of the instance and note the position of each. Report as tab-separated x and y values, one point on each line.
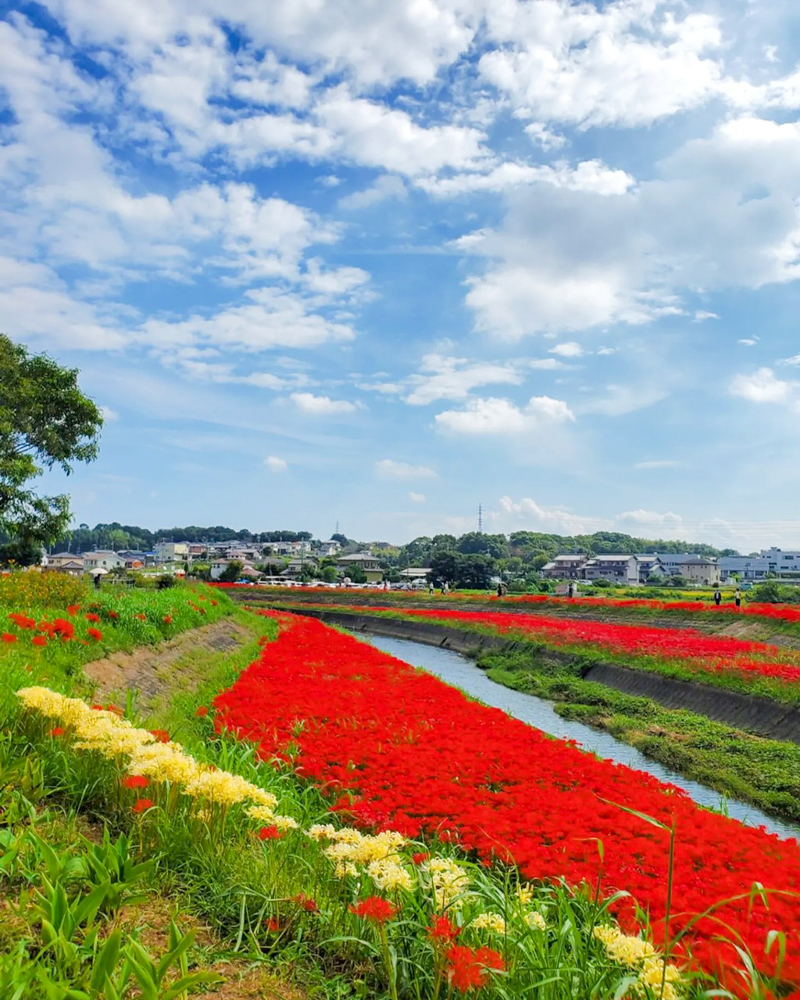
551	267
659	463
622	64
794	360
590	175
570	349
387	186
546	364
748	341
501	416
322	405
617	400
701	316
763	387
109	415
417	497
543	137
443	377
387	468
275	464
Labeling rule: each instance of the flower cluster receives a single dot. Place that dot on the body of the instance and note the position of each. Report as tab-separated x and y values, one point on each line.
399	749
355	853
146	758
637	954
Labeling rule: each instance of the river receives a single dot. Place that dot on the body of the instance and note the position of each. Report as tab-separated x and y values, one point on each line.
464	674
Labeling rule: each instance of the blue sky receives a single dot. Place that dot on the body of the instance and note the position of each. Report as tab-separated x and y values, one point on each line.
378	261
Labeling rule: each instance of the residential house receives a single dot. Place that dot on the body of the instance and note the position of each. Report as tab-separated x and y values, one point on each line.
329	548
670	562
699	569
133	559
616	568
364	560
294	568
64	562
171	552
59	559
649	566
102	559
565	567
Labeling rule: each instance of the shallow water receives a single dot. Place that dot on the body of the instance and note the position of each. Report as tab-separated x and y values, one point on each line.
463	673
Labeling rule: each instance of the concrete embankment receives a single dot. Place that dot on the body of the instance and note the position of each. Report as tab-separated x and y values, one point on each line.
750	713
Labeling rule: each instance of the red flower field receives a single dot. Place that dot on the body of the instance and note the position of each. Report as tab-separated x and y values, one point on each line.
688	648
394	747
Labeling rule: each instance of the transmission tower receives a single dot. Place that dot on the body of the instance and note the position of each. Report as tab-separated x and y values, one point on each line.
480	519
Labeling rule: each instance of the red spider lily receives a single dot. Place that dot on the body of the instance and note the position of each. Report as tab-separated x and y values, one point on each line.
94	633
113	614
305	902
201	711
115	709
687	648
442	932
468	969
214	603
375	909
8	637
62	627
142	805
269	833
420	857
480	775
90	616
273	925
56	731
135	781
141	617
22	621
160	734
168	619
39	640
73	609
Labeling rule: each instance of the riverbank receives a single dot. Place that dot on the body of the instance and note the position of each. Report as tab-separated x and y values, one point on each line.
743	765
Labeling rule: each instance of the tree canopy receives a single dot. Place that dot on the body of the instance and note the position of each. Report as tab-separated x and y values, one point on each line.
45	421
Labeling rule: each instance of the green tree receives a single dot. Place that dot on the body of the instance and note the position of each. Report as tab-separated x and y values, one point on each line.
329	574
45	420
356	574
444	568
232	571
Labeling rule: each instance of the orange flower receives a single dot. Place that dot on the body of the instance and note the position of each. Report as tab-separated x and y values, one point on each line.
168	619
201	711
56	731
160	734
142	805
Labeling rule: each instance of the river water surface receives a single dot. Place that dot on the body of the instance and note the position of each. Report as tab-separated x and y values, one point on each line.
463	673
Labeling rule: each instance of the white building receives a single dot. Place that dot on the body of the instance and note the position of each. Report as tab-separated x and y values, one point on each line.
168	552
102	559
616	568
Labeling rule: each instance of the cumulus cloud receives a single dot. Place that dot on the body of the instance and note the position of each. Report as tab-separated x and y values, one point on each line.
275	464
416	497
442	377
385	188
388	468
762	386
322	406
567	350
500	416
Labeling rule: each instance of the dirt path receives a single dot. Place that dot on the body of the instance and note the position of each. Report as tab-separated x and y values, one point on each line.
149	669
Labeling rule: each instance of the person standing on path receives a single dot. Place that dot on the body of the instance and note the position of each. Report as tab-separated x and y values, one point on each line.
737	598
717	597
